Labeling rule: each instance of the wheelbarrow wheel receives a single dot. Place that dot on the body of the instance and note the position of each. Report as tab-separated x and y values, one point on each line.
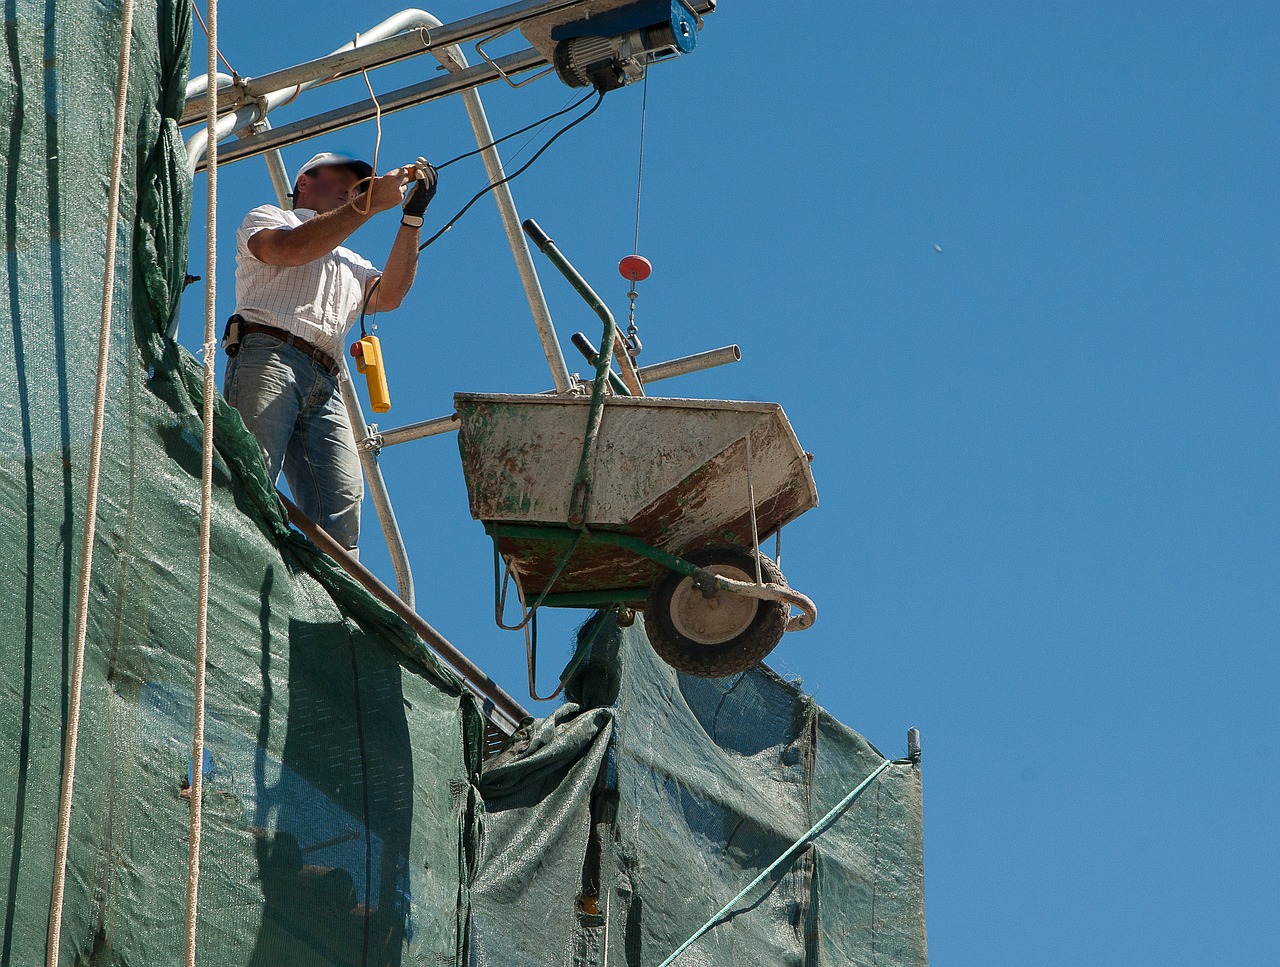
718	636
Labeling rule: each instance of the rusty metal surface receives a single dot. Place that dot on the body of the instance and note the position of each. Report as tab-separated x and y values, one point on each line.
671	472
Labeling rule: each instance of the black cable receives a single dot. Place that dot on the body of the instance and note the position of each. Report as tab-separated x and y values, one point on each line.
490	187
508	137
519	171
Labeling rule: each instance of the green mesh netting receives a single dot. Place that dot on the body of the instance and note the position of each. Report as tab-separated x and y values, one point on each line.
340	755
347	818
618	826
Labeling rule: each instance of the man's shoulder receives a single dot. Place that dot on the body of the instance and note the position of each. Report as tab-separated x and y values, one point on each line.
269	216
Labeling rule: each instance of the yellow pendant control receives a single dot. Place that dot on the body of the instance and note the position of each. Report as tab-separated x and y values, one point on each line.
368	357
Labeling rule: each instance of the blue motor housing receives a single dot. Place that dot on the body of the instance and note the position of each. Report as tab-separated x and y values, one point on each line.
613	48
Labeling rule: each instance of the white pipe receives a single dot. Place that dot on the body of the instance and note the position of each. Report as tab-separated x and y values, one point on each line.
378	490
198	85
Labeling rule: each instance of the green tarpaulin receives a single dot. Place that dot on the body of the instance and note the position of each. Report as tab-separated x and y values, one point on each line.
348	818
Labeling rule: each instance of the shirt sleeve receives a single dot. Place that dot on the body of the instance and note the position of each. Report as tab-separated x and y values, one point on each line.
264	216
357	265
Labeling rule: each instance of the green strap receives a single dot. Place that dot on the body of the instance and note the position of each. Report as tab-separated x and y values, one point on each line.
818	828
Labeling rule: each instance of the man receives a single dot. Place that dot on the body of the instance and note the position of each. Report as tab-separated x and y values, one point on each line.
298	291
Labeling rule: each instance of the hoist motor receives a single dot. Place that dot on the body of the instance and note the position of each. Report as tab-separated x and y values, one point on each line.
613	49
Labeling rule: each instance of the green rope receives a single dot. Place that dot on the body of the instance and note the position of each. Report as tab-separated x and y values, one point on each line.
816	830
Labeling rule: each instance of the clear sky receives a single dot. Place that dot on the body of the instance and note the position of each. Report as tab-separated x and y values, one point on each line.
1011	269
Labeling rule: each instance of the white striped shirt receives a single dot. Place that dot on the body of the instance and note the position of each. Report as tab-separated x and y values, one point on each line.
318	302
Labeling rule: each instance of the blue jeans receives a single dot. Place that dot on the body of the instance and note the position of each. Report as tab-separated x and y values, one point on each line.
295	410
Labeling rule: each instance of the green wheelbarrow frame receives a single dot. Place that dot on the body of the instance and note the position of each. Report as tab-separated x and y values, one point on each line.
633	597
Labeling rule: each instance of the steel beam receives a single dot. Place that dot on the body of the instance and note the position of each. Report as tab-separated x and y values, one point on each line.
399	100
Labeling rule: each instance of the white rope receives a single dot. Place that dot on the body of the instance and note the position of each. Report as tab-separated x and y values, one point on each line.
91	498
206	492
751	503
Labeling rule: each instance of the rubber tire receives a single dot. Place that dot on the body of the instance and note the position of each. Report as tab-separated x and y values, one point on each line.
744	650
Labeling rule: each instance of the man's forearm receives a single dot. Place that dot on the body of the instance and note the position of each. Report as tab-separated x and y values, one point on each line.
313	239
399	272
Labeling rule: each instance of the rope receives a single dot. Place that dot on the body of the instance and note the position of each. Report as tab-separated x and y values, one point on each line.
751	503
205	27
206	499
816	830
377	146
91	497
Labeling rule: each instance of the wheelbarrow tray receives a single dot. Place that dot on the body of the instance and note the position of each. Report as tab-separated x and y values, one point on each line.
671	473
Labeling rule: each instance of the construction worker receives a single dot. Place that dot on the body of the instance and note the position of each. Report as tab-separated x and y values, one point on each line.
298	292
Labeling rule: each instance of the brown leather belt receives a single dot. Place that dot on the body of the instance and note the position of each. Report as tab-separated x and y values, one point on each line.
317	356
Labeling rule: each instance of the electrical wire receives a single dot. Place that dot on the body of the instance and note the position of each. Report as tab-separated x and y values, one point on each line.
519	171
508	137
496	184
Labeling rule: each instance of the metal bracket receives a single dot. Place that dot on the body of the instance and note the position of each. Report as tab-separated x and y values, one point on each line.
697	18
373	441
494	64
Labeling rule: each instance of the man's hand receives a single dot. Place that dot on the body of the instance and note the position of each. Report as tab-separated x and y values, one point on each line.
420	194
384	192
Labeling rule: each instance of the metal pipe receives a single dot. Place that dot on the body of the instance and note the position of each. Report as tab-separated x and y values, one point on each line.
261	105
592	356
378	490
417	431
279	173
196	89
343	62
495	21
690	364
511	712
399	100
519	248
380	45
650	374
198	143
580	498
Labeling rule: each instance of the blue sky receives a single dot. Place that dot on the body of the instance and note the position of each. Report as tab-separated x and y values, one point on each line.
1047	455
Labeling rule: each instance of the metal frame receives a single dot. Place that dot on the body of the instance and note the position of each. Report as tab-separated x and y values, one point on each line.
244	105
630	597
249	102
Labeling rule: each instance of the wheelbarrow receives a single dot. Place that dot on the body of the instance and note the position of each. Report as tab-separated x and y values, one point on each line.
641	503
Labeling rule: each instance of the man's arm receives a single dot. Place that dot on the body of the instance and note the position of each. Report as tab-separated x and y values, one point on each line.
320	235
389	290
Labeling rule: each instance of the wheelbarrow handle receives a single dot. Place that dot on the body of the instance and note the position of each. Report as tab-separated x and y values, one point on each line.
536	234
774	592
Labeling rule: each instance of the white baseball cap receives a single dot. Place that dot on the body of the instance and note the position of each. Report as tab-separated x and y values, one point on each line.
328	159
